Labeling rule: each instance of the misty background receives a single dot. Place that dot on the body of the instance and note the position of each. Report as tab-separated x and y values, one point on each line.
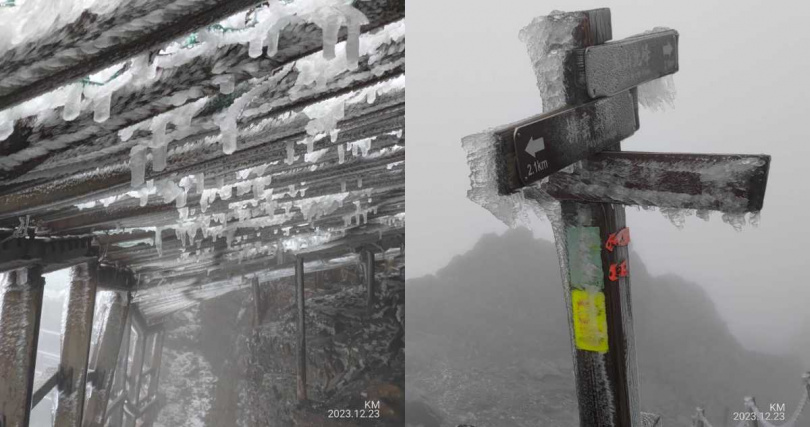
740	90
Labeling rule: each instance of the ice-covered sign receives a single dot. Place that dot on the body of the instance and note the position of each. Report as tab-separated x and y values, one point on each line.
613	67
556	140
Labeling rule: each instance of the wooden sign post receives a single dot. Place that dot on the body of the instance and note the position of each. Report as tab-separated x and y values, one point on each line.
572	152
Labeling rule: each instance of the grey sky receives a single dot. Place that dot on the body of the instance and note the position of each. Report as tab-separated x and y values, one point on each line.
740	90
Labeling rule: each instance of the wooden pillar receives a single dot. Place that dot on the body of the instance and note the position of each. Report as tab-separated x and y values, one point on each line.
601	315
133	380
302	334
154	378
106	360
258	309
370	287
20	310
118	392
78	330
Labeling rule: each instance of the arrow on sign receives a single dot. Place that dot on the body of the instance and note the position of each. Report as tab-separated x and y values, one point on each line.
534	146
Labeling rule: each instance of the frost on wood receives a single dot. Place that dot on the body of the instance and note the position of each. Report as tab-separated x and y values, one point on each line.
513	210
548	40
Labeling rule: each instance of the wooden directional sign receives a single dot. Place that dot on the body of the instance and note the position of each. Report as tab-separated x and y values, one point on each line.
559	139
613	67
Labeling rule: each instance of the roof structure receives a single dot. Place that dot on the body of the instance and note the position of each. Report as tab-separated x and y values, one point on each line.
202	143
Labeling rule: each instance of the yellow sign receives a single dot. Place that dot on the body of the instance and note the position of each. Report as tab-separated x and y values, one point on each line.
590	321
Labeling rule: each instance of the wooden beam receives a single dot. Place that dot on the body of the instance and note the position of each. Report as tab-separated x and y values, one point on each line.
106	359
302	334
19	252
44	389
365	121
94	42
21	298
76	344
732	183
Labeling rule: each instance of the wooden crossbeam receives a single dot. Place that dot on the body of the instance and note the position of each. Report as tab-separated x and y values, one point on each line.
366	121
53	254
731	183
45	388
76	344
143	259
129	214
94	42
21	292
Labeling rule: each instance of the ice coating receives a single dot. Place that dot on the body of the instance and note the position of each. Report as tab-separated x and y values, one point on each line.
513	210
548	40
658	94
325	115
316	70
32	19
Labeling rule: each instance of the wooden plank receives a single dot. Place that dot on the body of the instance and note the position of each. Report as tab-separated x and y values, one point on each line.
94	42
732	183
558	139
106	360
610	68
21	298
301	373
78	330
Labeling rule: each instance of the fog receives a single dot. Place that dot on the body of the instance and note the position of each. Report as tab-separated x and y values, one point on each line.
740	90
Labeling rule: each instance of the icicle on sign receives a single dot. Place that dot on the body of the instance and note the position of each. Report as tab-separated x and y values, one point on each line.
587	282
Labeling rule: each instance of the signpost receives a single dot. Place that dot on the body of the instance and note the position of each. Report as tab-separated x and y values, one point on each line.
575	146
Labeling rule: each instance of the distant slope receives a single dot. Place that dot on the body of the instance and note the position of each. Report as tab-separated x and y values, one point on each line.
487	343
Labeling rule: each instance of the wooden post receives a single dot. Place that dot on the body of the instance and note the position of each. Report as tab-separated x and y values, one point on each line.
599	307
106	360
370	287
119	388
154	377
258	310
21	299
302	334
76	344
133	380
